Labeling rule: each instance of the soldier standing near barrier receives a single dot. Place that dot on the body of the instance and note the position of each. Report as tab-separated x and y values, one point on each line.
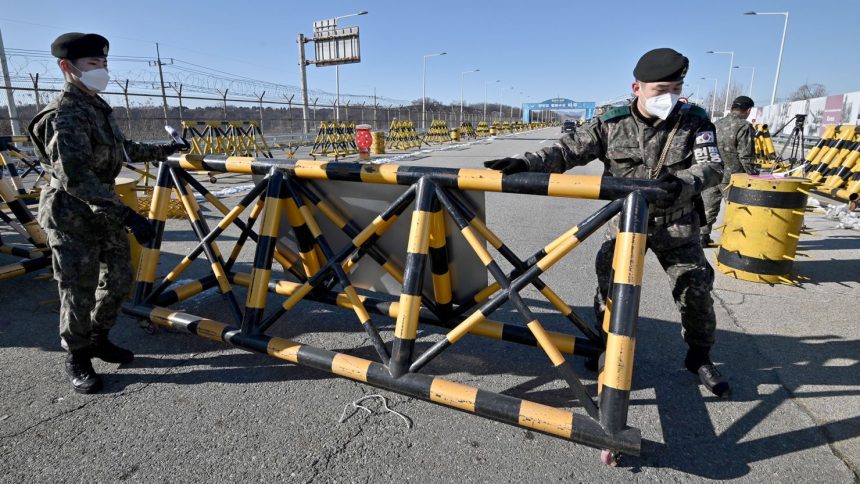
654	137
736	138
83	150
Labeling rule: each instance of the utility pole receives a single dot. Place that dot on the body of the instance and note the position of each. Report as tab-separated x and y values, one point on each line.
10	95
161	78
304	64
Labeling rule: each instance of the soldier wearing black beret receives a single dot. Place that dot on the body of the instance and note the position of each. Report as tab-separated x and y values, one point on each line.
655	137
736	138
83	150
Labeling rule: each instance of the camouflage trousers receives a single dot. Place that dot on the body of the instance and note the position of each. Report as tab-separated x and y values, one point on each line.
94	275
679	250
712	197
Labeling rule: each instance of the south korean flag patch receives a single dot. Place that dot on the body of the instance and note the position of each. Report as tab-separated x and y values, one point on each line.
705	150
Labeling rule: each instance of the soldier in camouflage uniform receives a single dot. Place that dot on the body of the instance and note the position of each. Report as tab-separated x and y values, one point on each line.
633	139
83	150
736	138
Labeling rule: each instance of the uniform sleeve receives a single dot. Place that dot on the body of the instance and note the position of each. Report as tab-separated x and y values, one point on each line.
70	153
141	152
572	149
746	147
706	169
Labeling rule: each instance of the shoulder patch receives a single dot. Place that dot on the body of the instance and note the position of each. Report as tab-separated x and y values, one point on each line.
698	112
613	113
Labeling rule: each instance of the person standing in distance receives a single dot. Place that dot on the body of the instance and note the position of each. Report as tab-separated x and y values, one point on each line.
83	150
675	143
736	138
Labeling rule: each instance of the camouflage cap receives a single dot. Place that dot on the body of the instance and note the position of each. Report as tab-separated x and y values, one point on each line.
661	65
74	45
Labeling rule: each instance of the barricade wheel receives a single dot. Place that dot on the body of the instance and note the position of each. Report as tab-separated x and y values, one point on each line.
610	458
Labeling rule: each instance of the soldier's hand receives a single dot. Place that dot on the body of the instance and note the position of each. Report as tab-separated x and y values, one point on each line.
184	146
672	185
508	166
139	226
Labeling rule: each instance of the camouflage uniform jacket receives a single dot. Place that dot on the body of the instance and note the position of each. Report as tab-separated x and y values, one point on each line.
83	150
736	138
632	146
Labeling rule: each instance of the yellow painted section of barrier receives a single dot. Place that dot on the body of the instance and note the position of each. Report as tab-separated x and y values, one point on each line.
453	394
546	419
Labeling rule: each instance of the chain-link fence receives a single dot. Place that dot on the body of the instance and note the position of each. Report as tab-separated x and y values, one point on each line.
143	115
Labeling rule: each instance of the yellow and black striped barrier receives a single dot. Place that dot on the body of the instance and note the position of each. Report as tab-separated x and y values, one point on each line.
483	129
763	221
438	132
37	254
335	139
322	273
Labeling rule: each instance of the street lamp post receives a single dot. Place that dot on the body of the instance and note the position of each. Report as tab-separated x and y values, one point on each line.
714	98
424	88
781	47
729	82
461	91
337	67
486	84
752	77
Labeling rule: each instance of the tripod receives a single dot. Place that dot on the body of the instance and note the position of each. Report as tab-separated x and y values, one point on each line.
794	144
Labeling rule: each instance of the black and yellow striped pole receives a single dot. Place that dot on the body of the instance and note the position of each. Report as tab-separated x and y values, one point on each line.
577	235
520	265
255	301
210	237
510	410
417	247
35	234
628	263
439	264
201	230
148	265
334	266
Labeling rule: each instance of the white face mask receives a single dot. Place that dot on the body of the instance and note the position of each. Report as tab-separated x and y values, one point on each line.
95	80
661	106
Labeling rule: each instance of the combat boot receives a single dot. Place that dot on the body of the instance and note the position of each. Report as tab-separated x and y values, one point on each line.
81	374
698	362
104	350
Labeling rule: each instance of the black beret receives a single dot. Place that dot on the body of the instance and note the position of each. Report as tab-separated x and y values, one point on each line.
742	102
661	65
75	45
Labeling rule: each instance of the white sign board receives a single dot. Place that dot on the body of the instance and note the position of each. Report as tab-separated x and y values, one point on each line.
335	46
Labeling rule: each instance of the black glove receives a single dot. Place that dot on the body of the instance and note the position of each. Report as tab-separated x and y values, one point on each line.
139	226
672	185
174	146
508	166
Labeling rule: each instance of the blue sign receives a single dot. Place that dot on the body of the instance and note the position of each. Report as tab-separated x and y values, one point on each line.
559	104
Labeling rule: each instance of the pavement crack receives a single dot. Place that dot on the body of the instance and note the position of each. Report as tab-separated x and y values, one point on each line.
796	401
99	399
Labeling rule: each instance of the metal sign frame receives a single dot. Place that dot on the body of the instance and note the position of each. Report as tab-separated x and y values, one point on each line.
333	46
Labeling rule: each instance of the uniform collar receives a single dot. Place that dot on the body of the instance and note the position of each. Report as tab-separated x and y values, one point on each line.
96	101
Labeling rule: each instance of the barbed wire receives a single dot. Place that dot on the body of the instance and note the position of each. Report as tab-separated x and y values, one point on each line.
26	64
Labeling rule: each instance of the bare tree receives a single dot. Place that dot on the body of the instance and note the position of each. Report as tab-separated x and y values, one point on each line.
808	91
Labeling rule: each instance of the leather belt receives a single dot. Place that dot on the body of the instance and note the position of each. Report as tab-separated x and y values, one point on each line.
671	216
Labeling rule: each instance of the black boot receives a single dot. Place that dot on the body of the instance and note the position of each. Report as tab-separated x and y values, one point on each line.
104	350
706	240
79	368
698	362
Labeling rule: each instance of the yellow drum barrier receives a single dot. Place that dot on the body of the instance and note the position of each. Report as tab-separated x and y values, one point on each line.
455	134
493	131
763	220
378	146
126	188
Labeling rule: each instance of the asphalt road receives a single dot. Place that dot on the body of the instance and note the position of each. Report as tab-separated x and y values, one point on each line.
191	410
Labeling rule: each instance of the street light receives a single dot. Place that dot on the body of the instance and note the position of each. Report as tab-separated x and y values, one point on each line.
486	83
781	46
729	83
752	78
461	91
713	99
424	88
337	66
